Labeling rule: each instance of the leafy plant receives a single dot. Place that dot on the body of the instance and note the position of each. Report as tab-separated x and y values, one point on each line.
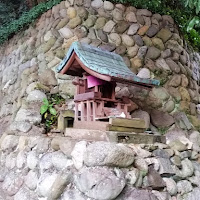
47	107
48	111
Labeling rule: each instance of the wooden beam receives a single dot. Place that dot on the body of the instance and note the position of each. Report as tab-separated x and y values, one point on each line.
129	123
68	65
87	96
124	129
91	72
92	125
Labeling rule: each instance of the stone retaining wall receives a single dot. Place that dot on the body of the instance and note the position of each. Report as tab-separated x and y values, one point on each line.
39	167
149	43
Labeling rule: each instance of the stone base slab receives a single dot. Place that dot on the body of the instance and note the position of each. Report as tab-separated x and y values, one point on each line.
111	136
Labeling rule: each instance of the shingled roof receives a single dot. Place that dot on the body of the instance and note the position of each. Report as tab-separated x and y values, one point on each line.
105	63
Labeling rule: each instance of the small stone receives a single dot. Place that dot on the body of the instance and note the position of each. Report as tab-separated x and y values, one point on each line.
78	154
31	179
184	81
169	106
133	29
121	50
12	183
184	187
158	43
32	160
45	184
82	13
131	17
100	22
160	93
121	27
185	96
138	40
117	14
147	41
144	12
154	179
108	47
132	51
144	73
136	63
109	26
143	30
173	66
152	31
175	81
164	34
73	23
115	38
142	52
36	95
71	12
165	54
81	32
174	46
97	4
176	160
66	33
108	5
165	167
153	53
174	93
62	23
132	176
171	186
161	153
177	145
90	21
127	40
102	36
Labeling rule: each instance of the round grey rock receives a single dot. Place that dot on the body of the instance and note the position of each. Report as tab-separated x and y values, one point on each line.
108	154
100	182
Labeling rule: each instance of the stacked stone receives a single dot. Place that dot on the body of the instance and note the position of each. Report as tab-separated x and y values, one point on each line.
37	167
149	43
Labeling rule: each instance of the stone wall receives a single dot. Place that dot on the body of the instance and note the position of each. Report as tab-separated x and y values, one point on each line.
38	167
149	43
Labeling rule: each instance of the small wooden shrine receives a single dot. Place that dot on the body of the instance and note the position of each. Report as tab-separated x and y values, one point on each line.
96	73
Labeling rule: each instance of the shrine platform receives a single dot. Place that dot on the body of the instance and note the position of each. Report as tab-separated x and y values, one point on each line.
113	136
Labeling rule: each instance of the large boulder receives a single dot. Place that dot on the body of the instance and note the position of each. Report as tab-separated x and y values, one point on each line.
100	183
109	154
161	119
30	115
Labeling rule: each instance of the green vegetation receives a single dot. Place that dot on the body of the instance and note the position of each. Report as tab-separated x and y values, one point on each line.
48	112
8	29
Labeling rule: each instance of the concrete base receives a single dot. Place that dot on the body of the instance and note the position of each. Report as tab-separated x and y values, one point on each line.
111	136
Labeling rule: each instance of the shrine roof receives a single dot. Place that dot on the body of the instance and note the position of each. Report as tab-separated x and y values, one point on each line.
105	63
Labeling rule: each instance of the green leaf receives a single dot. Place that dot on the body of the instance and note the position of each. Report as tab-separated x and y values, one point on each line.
46	102
43	109
52	111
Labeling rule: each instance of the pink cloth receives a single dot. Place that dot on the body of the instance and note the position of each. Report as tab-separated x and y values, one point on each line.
93	81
